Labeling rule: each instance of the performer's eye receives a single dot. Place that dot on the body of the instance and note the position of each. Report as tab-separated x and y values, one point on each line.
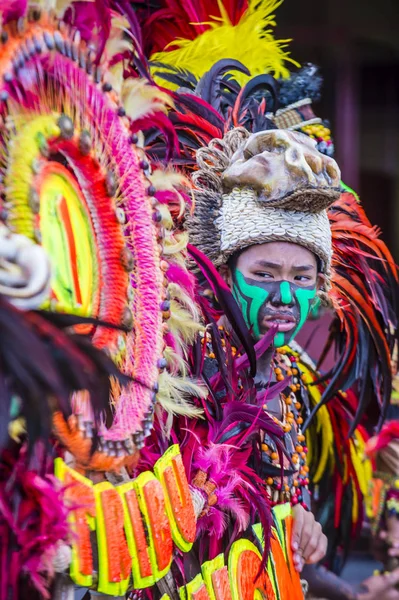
264	275
302	278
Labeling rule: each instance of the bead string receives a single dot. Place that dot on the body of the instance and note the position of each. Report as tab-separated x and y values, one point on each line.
291	423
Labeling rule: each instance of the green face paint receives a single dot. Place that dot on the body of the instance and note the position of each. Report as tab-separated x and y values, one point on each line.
250	298
273	301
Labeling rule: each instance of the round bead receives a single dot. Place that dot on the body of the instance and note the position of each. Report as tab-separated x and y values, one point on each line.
156	216
162	363
66	126
127	259
127	318
85	143
120	215
269	481
264	447
274	456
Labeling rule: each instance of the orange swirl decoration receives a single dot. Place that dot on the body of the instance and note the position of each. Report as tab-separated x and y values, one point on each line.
74	181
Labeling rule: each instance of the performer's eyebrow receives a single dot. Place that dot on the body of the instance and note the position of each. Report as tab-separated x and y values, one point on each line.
304	268
267	265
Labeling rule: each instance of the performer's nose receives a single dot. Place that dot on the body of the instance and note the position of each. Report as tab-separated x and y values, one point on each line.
282	295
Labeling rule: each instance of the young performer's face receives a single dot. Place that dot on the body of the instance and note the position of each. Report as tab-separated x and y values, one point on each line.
275	284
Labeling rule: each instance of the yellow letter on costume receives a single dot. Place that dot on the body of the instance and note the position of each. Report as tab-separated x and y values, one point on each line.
195	590
244	564
285	578
136	538
79	492
216	577
170	471
152	505
113	553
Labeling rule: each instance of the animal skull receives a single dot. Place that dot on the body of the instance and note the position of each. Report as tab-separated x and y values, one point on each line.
286	170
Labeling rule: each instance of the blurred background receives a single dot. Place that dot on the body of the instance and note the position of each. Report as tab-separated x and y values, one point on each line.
356	45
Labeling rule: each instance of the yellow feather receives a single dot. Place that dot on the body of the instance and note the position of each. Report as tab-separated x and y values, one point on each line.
170	181
181	323
177	293
176	363
250	41
141	99
175	243
323	427
16	429
175	395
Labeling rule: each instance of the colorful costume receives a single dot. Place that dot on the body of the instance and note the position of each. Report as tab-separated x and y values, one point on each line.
181	485
209	104
75	181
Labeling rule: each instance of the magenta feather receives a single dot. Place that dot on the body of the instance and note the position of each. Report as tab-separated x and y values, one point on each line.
34	519
12	10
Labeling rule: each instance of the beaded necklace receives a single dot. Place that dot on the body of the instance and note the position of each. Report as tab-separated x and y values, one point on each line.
293	487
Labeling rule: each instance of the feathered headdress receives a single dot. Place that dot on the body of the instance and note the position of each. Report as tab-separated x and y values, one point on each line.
194	35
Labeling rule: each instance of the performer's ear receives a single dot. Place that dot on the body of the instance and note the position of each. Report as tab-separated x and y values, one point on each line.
320	281
225	272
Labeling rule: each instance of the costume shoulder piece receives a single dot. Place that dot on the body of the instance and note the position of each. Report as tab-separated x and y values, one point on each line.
92	236
75	181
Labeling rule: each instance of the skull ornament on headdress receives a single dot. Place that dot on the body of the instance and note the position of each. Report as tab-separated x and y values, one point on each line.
265	187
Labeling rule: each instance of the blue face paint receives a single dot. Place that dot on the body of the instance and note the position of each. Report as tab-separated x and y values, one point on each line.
260	301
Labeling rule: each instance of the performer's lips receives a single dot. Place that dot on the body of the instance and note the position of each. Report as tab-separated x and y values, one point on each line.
284	321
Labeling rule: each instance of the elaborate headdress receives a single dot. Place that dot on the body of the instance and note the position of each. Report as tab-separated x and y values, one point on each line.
269	186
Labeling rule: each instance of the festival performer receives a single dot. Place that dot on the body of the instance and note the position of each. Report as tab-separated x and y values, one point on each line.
197	496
